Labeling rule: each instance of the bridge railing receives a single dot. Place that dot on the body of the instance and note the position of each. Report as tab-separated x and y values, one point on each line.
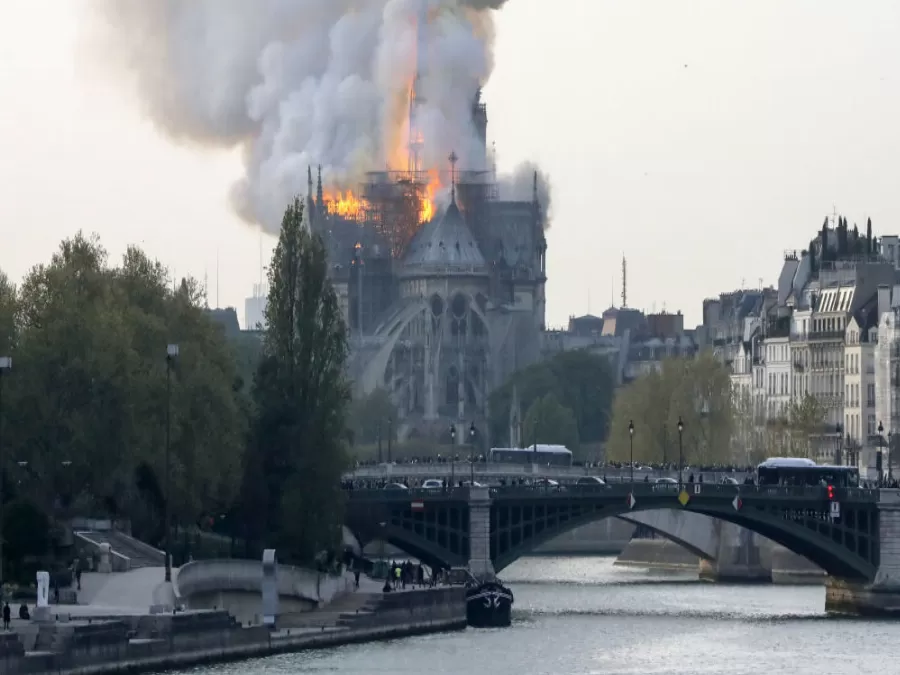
637	489
491	470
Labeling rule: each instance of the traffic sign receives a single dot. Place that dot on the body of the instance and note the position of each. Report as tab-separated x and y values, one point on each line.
737	503
697	487
631	500
835	510
684	497
417	506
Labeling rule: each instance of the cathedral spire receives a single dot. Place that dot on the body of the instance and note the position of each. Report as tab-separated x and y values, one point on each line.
453	160
309	192
320	199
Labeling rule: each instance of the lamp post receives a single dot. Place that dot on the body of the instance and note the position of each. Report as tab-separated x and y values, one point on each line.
680	453
390	433
631	447
378	432
171	354
890	450
838	450
472	453
452	456
5	364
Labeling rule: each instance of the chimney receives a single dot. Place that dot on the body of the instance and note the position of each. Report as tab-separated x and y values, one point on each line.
884	299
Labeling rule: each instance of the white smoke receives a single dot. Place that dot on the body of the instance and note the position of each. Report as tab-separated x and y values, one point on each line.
300	83
519	186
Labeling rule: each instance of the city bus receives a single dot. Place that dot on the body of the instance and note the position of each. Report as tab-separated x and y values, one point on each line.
798	472
544	455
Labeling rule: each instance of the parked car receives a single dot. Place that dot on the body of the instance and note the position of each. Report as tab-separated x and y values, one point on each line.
590	481
433	484
395	486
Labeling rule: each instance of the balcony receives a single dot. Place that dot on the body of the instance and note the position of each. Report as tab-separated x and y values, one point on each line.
826	335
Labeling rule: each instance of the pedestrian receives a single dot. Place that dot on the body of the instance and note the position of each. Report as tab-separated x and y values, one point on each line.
356	577
6	616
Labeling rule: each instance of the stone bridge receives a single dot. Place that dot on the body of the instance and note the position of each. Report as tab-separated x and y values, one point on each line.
490	473
488	529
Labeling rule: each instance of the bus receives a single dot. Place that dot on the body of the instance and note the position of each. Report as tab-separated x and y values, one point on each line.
798	472
544	455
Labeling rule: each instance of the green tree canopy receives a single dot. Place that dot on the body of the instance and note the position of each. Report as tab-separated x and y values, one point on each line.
87	393
292	498
582	382
549	421
369	417
698	391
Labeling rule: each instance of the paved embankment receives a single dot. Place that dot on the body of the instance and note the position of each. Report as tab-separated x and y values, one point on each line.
657	554
165	641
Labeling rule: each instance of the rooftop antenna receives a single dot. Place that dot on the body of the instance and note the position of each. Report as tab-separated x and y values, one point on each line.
453	160
624	282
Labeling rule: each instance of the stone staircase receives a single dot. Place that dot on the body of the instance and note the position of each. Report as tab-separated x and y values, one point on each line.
138	553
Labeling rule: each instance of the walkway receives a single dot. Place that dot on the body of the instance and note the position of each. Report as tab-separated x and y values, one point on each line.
135	590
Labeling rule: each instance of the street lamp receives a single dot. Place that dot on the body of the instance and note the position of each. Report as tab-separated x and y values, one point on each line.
631	445
472	453
5	364
838	454
880	441
171	353
890	450
680	453
390	433
452	456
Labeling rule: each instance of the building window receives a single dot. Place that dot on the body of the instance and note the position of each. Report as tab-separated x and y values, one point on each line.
871	431
870	395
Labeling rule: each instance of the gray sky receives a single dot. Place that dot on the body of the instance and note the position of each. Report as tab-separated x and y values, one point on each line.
700	138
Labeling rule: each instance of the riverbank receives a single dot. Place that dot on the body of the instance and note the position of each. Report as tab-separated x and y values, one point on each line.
149	643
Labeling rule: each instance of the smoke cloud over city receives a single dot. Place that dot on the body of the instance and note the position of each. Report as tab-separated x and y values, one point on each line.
299	83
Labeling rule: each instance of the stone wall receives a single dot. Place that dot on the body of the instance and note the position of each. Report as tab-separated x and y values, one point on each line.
166	641
658	554
236	586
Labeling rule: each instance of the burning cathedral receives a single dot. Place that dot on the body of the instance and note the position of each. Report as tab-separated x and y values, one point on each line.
443	301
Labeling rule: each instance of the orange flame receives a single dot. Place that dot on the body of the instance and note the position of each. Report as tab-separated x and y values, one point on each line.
426	211
344	204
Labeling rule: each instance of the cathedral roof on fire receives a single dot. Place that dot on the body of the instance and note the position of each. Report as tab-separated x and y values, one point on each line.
445	244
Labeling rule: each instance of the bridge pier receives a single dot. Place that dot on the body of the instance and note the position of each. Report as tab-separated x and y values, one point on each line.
480	564
738	556
881	597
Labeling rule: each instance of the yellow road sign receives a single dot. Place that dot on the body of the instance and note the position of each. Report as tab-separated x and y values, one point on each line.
684	497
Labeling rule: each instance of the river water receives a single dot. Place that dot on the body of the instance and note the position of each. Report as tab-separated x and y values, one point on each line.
580	616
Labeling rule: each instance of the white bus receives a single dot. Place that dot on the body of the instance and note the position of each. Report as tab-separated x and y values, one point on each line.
542	454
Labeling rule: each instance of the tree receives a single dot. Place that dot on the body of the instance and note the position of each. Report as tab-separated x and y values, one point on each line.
805	417
697	391
293	497
550	422
369	418
581	381
88	388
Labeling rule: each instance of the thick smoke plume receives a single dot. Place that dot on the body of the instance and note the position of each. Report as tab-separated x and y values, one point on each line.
299	83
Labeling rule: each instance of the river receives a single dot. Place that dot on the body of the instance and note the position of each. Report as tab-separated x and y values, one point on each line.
580	616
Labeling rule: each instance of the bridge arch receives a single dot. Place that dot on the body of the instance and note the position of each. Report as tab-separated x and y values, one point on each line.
834	557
